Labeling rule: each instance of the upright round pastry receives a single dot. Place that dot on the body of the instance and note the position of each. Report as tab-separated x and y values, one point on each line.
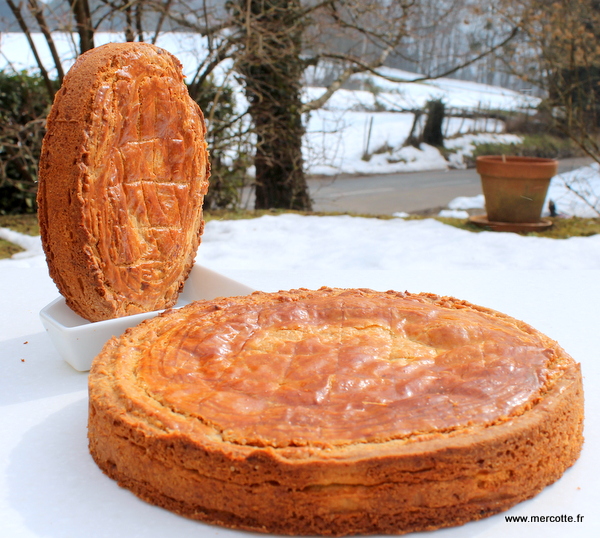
123	173
335	412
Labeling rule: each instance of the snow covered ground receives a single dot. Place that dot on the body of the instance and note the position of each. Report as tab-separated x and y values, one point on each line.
337	140
364	132
289	242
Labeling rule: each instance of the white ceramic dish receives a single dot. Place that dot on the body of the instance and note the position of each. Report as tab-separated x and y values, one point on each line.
78	340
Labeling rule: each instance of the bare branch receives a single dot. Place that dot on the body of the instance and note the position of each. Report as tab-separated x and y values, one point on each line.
585	198
38	13
210	63
487	52
23	25
83	19
331	89
161	20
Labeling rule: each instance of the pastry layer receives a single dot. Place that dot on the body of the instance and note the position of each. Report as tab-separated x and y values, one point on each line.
335	411
123	173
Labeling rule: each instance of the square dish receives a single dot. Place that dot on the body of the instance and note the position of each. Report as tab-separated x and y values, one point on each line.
78	340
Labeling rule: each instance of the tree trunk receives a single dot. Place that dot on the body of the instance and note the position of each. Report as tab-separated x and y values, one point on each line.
16	9
432	132
269	60
83	19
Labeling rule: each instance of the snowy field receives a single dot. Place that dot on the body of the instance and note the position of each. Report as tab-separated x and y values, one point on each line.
294	242
337	139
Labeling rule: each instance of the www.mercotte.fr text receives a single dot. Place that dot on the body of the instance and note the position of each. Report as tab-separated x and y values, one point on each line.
563	518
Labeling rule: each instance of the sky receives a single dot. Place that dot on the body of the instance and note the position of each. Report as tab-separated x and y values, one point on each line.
336	141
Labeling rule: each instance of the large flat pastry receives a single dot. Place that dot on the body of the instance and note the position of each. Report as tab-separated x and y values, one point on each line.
123	173
335	412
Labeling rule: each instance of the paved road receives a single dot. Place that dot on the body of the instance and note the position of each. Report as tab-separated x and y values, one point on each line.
409	192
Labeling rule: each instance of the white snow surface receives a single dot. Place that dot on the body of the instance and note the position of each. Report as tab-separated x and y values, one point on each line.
294	242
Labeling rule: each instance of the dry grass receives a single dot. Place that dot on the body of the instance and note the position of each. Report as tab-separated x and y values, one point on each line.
561	229
238	214
26	224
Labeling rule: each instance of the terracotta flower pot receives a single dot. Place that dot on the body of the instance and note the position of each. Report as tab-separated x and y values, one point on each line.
515	188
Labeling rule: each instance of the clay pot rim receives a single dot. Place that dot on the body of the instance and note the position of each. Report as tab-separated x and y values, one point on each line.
516	167
516	160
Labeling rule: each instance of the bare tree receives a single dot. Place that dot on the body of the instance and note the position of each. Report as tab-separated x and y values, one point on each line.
268	57
270	44
19	14
559	52
83	19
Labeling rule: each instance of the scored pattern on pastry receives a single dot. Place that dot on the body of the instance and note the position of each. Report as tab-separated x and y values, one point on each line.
143	171
123	173
334	412
343	368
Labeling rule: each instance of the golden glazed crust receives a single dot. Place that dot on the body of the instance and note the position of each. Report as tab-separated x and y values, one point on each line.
335	411
123	173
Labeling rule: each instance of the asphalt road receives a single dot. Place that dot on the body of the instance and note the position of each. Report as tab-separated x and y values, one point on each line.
413	192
